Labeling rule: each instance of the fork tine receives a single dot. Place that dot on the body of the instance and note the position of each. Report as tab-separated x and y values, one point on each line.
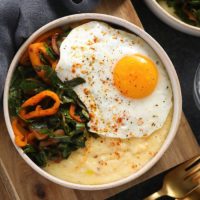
195	175
196	178
193	185
190	162
192	171
193	179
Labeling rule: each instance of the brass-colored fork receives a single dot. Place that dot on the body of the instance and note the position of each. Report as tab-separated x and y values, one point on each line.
195	195
181	181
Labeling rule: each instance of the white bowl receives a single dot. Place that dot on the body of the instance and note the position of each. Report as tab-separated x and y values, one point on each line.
171	20
164	58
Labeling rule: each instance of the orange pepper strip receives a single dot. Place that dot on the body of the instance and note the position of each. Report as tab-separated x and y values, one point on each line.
18	129
25	56
39	112
20	142
73	114
30	137
34	50
20	133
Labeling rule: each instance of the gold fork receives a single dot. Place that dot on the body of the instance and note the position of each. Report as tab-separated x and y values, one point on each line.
181	181
195	195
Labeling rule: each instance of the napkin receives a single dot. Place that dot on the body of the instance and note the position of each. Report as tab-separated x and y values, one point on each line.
20	18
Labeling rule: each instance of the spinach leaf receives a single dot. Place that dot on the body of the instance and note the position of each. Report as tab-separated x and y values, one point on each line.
75	132
51	76
53	122
43	59
26	72
65	138
66	99
64	124
55	82
31	86
38	157
85	114
74	82
70	92
80	126
79	141
66	152
14	100
41	127
29	149
50	52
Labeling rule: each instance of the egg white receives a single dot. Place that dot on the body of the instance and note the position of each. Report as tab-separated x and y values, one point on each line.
90	51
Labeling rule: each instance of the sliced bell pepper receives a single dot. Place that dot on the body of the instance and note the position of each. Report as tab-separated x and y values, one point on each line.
39	111
73	114
20	133
24	60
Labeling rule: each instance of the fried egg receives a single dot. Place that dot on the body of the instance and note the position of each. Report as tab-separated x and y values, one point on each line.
127	90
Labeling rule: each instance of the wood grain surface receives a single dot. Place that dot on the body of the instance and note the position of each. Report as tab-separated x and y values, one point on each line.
18	179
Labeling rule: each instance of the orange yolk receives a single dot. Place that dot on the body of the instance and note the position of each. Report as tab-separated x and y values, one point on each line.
135	76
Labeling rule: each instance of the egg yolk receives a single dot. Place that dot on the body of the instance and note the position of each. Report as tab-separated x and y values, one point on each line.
135	76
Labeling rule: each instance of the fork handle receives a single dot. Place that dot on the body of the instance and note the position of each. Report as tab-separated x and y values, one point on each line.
156	195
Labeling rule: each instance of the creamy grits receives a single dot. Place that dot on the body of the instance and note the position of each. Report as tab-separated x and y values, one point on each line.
105	160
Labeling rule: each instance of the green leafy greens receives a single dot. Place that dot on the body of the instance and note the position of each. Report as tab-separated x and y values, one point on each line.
25	84
187	10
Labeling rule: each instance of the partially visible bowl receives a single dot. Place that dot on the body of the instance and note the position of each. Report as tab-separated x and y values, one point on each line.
177	108
172	20
196	91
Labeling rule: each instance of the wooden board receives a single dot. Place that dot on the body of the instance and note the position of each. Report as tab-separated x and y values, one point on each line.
19	181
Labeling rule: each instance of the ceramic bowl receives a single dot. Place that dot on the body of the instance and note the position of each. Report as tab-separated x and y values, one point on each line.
160	52
172	20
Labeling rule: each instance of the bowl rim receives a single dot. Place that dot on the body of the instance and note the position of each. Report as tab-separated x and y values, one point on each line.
166	62
176	23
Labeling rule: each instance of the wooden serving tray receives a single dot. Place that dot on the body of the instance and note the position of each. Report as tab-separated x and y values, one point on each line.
19	181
